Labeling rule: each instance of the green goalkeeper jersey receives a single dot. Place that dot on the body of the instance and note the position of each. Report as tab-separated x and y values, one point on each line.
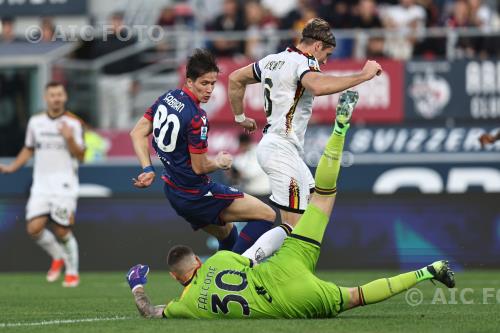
224	286
227	286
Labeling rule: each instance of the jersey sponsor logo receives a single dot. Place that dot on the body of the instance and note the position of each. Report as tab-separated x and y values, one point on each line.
174	103
51	145
313	64
61	213
43	133
263	292
203	132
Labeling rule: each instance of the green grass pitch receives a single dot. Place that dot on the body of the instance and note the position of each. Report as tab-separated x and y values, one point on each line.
103	303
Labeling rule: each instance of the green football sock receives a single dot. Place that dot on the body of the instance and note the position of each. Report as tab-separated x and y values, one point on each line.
382	289
329	164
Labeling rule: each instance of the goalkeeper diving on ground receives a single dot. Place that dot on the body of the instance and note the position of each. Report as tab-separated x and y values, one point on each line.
229	285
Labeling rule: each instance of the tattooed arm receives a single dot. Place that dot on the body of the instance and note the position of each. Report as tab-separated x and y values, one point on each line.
146	309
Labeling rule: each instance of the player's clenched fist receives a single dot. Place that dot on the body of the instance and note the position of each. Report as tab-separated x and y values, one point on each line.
224	160
371	68
249	124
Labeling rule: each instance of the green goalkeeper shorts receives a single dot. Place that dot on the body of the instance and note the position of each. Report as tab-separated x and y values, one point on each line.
288	276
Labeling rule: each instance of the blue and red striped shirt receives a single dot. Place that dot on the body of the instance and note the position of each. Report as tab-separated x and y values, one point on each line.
180	127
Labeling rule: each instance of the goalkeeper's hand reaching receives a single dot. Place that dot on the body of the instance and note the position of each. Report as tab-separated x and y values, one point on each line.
137	276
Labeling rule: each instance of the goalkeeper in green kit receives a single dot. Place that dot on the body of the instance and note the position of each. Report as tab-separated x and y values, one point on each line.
229	285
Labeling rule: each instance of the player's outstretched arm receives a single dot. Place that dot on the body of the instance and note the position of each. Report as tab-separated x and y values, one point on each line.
137	277
146	309
140	140
21	159
238	81
321	84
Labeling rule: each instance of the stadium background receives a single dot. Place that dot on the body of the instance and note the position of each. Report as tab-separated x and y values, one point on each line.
416	184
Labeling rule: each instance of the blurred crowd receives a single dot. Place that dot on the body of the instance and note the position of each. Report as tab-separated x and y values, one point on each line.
256	22
404	22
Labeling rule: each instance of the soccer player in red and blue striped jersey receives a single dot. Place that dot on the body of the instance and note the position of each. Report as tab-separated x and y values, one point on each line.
180	130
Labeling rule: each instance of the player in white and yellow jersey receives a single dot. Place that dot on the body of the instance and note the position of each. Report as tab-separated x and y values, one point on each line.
55	139
290	80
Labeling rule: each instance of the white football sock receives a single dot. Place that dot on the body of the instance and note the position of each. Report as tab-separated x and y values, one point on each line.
268	243
70	247
48	242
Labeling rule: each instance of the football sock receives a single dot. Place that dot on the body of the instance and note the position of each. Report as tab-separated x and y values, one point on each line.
250	233
329	164
228	242
48	242
314	227
268	243
383	289
70	246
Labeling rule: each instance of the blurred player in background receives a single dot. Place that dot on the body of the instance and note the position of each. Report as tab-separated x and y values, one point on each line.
290	80
228	285
55	138
246	169
180	138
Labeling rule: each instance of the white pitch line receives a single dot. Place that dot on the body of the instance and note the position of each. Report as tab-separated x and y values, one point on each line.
62	321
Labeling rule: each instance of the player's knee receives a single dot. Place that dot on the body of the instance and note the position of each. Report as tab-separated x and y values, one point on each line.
34	229
268	214
61	232
219	232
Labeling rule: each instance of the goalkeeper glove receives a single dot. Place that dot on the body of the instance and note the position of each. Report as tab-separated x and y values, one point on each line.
137	276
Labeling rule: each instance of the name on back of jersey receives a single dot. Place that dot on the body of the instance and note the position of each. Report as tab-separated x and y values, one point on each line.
174	103
274	65
207	282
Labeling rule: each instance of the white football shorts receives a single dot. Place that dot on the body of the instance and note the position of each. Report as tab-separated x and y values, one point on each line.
290	177
59	208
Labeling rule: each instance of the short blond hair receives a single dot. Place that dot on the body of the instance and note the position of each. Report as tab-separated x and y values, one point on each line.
318	29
